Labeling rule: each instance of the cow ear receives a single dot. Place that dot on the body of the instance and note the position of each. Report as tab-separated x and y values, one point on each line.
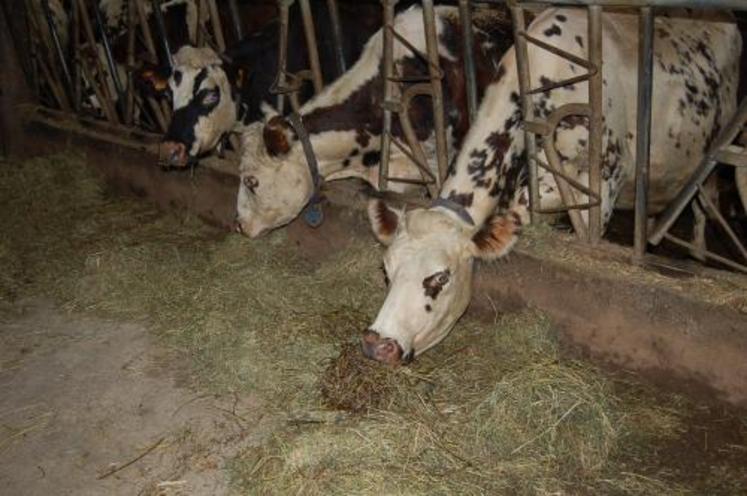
153	80
496	237
384	220
277	136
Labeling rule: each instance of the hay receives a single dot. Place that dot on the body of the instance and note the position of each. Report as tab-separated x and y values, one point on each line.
496	409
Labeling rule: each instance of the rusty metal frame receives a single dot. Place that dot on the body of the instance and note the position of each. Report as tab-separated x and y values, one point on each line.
546	127
426	85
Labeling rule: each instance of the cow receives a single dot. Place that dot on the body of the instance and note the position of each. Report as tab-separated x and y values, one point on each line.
482	204
344	122
241	79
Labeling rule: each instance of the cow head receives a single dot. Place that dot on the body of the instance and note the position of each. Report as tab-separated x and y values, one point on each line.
428	263
276	182
204	100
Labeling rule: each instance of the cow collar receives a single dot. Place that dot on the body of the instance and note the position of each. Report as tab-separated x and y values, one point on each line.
455	207
308	151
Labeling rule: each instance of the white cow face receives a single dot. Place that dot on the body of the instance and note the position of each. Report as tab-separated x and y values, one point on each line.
429	268
204	105
276	183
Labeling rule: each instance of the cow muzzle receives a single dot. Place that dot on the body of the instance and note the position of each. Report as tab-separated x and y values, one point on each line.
384	350
173	154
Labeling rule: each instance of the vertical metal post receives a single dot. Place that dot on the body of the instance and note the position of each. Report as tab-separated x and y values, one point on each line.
431	43
283	8
131	28
465	15
643	128
75	40
199	31
527	105
334	17
147	37
217	29
311	46
108	53
236	20
162	35
595	119
388	56
57	46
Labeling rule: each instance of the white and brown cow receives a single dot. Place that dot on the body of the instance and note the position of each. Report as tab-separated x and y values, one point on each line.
431	251
344	122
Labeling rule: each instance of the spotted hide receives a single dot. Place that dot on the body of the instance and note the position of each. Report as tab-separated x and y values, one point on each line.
344	122
695	77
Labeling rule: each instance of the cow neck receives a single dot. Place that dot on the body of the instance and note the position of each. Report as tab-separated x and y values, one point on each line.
489	169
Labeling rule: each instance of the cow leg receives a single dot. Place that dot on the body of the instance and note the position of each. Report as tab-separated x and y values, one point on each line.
700	213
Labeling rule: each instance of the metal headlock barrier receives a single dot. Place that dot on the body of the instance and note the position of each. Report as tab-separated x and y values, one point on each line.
721	150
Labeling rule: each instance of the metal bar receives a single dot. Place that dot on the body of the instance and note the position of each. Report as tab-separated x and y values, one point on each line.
595	120
560	84
643	129
48	69
199	31
410	135
388	70
725	225
57	45
100	96
75	39
217	28
147	36
283	7
163	37
236	20
311	45
465	16
113	73
131	31
405	149
431	43
527	107
91	39
558	51
729	263
334	17
733	156
418	53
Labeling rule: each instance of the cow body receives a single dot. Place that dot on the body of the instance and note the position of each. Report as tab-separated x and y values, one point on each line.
344	122
695	79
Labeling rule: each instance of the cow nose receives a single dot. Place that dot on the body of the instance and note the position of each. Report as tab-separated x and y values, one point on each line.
385	350
174	153
237	225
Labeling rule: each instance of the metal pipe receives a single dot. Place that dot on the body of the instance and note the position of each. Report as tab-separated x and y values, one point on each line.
114	74
411	137
720	219
147	36
131	31
431	43
388	72
465	16
334	17
57	45
706	166
217	28
311	46
527	107
643	129
74	36
236	20
162	35
595	120
283	8
106	103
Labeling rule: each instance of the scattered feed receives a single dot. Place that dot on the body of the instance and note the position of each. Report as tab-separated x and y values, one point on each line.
496	409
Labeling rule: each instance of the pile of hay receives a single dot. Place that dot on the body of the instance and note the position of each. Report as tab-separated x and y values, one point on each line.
496	409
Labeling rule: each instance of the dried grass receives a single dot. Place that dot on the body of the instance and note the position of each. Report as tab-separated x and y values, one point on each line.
495	410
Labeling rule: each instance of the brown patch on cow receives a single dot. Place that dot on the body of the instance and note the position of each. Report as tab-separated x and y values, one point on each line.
497	235
434	283
275	135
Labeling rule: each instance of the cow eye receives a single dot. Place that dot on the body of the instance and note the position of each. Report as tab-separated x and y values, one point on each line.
250	182
443	277
177	77
386	277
